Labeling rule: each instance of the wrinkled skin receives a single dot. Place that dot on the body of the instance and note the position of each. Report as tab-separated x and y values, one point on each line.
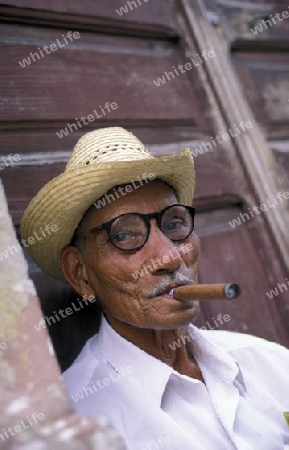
150	322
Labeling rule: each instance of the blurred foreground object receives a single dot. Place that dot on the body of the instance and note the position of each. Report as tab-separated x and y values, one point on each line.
35	409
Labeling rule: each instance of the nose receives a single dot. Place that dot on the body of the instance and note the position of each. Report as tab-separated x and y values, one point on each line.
162	253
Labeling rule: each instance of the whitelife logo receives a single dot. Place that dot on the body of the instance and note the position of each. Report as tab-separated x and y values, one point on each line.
264	23
131	5
23	425
53	47
3	346
231	133
93	387
108	198
158	443
156	264
278	289
71	127
190	338
37	236
63	313
258	210
9	160
197	61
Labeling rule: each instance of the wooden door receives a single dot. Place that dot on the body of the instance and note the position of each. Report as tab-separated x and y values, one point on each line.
133	60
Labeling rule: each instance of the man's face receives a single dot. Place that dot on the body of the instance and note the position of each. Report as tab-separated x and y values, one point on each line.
126	290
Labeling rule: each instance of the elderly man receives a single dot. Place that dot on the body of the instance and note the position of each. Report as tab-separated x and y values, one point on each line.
126	237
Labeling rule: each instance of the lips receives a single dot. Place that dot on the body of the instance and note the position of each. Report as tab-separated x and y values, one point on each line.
168	289
168	292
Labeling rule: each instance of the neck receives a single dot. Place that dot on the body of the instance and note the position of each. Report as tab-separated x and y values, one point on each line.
161	344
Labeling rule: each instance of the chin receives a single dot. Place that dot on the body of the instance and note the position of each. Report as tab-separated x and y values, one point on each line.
172	321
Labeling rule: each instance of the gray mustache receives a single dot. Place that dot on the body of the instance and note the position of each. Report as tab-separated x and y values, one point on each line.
168	280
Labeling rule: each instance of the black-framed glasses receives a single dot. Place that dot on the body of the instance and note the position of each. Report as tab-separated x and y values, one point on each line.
131	231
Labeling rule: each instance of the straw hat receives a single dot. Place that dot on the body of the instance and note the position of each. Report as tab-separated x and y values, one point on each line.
100	160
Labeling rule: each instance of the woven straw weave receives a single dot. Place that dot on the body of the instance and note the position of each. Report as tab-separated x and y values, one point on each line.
99	146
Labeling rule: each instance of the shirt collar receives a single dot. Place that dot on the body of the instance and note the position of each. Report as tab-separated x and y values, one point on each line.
148	373
212	358
121	353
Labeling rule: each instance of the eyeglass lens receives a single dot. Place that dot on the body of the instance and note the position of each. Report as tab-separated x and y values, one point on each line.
130	231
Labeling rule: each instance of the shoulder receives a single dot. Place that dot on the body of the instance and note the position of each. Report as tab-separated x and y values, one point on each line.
260	361
84	366
231	340
239	343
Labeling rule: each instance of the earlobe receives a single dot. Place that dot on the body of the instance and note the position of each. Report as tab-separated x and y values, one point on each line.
73	268
91	298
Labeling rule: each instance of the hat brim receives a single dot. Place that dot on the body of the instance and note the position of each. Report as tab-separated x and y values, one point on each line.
64	200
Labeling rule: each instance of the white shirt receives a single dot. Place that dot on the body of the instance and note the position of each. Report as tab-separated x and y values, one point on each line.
154	407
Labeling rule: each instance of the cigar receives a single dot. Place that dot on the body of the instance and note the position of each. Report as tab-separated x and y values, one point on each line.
204	292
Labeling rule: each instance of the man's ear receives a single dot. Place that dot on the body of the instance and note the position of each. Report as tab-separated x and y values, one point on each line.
74	270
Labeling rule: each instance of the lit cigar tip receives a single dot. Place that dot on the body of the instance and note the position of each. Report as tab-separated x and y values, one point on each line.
232	290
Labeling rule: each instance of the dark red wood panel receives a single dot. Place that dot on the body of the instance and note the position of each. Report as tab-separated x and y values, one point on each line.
27	137
21	183
282	160
230	255
265	78
147	11
214	175
77	80
252	26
